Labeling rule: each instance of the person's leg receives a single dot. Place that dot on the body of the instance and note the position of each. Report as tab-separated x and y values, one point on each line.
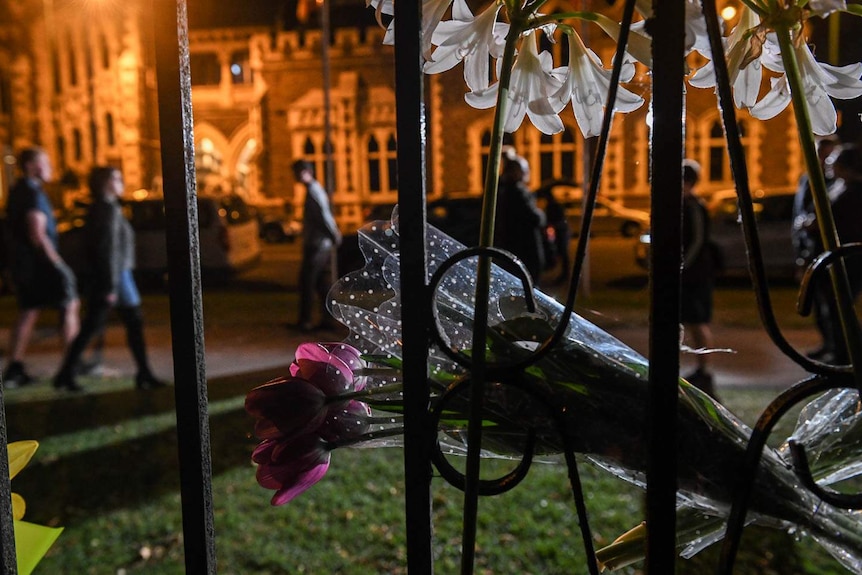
323	282
133	321
14	374
71	321
93	324
21	333
701	335
306	290
66	293
701	339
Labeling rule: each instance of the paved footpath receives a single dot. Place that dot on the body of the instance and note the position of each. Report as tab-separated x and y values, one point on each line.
752	359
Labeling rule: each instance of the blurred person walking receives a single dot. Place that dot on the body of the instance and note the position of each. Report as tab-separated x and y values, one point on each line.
40	276
320	237
109	243
698	277
557	233
845	196
808	245
520	223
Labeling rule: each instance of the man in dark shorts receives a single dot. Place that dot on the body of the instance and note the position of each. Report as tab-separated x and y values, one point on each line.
697	276
40	276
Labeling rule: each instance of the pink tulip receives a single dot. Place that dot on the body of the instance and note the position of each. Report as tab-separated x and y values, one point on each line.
300	417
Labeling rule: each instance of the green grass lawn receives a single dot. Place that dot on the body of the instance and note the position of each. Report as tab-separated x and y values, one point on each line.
107	471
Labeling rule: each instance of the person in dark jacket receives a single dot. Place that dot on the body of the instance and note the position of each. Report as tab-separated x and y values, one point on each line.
807	244
40	276
520	223
845	195
320	237
558	233
110	245
698	279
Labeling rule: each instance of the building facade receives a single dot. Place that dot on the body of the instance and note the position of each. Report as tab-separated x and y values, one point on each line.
84	89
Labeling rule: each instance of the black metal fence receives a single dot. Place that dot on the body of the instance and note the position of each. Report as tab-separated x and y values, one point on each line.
177	148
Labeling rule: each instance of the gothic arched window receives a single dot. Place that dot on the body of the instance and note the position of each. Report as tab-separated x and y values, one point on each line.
382	165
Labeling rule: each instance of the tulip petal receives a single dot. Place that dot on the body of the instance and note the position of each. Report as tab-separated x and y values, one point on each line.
293	406
302	483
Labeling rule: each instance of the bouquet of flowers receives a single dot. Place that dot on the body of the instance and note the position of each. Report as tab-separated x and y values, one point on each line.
340	394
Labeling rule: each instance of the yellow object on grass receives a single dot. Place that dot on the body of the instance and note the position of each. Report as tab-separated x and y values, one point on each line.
31	541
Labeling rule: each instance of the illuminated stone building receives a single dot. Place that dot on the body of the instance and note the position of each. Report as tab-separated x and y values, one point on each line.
84	88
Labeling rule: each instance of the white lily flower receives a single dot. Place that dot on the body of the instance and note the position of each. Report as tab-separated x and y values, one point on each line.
586	84
824	8
745	80
695	25
639	44
432	13
470	39
820	81
530	89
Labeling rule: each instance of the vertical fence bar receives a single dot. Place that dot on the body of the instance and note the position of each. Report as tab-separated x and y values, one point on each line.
666	153
178	172
7	530
418	436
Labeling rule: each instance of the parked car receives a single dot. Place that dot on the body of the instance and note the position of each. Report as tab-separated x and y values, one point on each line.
275	230
773	209
459	217
456	216
228	236
609	216
227	231
349	256
275	221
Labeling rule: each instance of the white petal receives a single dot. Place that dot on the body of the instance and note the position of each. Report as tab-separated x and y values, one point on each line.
774	102
483	99
639	44
704	77
824	119
823	8
746	87
545	121
432	13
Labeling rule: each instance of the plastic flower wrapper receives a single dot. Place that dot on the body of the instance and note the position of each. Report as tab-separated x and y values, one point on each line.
599	383
31	541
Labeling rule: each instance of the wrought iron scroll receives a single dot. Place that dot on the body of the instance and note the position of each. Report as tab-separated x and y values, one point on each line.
826	376
663	479
178	172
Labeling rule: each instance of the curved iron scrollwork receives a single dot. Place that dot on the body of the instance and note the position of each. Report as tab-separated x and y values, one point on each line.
512	479
824	376
827	377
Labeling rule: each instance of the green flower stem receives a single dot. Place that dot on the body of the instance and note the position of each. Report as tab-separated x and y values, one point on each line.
819	193
367	393
483	282
370	436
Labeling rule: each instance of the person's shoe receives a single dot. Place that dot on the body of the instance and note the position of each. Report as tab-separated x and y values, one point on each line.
66	382
92	367
703	380
15	376
147	381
